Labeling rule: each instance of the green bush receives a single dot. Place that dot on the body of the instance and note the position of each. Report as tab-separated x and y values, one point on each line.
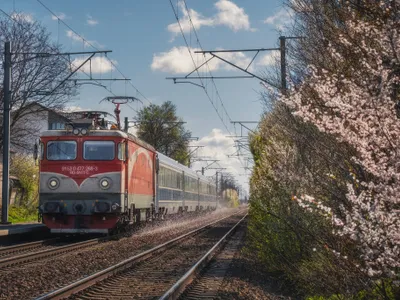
292	158
25	169
25	208
21	214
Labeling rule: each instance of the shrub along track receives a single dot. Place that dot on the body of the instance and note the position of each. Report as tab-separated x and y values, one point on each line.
150	274
36	278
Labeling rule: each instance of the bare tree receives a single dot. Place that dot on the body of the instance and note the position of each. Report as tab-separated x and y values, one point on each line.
34	76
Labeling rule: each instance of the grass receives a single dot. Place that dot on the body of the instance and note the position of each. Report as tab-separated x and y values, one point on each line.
20	214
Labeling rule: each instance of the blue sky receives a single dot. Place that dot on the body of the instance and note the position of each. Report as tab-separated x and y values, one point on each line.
147	48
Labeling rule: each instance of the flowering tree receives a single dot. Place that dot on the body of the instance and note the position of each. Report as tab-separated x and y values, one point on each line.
355	101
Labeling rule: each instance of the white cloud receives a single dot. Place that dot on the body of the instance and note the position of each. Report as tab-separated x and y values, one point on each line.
133	130
218	146
229	14
60	16
90	21
73	36
74	108
269	59
22	17
280	19
232	16
238	58
178	61
97	65
76	38
197	19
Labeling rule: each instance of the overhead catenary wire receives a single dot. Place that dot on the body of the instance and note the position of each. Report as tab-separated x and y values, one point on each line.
197	71
85	41
70	62
208	67
194	63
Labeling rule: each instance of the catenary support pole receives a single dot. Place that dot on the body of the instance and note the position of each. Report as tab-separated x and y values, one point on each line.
126	124
216	186
6	133
283	62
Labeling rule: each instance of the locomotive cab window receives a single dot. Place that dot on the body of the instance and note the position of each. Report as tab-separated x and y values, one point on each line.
98	150
121	151
61	150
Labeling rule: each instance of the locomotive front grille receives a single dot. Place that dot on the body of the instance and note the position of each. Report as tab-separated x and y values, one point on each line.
80	203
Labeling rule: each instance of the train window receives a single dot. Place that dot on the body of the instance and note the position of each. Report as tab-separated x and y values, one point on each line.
121	151
179	181
41	151
161	176
61	150
98	150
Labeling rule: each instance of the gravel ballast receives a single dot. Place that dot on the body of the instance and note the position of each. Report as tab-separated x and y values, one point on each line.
35	279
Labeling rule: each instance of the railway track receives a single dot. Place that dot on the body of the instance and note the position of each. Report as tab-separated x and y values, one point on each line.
9	260
205	278
20	248
149	274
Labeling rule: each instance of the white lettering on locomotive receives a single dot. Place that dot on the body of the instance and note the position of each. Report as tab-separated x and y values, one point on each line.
79	170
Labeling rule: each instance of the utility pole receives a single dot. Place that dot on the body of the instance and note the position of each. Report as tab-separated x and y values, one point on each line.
282	40
222	187
126	125
216	185
6	133
6	113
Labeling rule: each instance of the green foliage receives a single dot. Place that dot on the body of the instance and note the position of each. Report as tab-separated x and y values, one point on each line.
27	172
383	290
21	214
232	196
164	130
293	158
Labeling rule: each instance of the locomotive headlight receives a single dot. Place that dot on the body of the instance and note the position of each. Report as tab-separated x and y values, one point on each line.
75	131
105	183
84	131
53	183
115	206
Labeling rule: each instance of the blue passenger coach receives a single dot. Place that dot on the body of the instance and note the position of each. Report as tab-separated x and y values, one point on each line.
180	188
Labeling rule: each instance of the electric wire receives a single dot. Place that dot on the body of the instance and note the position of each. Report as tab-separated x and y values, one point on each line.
94	47
208	67
209	70
194	63
197	71
28	29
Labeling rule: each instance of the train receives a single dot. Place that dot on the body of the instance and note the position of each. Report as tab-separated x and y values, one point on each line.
96	179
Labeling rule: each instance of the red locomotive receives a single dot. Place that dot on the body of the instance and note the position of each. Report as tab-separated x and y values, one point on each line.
94	179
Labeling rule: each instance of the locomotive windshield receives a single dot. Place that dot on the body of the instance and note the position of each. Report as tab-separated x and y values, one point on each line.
98	150
61	150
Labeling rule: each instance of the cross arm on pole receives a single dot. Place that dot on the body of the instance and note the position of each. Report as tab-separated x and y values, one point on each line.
45	54
237	50
243	70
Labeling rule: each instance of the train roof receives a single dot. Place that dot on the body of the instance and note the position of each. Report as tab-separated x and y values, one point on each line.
118	133
102	132
177	166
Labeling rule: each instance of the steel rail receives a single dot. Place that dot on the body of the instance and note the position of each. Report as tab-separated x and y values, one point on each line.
27	257
175	291
25	246
91	280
